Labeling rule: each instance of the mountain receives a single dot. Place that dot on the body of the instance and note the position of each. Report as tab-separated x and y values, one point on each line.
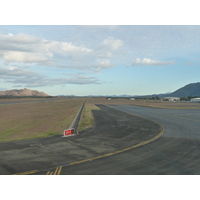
192	89
22	92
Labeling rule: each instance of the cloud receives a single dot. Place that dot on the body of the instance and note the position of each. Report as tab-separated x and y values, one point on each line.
96	66
107	49
27	48
190	63
32	50
17	56
17	73
146	61
103	64
112	43
32	79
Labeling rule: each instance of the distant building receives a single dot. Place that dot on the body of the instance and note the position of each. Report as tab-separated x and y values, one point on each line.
171	99
197	100
132	99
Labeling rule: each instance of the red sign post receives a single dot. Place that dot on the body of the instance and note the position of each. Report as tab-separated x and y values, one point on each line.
68	132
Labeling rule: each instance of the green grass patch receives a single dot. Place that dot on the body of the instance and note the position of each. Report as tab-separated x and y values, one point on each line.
87	119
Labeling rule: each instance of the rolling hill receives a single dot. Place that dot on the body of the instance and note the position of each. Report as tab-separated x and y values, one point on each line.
22	92
192	89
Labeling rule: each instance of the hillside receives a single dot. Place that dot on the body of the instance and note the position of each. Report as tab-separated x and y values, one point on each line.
22	92
192	89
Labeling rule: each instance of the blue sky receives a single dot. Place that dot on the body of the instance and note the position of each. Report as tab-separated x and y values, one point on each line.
99	59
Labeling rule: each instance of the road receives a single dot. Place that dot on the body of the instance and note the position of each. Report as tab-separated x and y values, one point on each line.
111	146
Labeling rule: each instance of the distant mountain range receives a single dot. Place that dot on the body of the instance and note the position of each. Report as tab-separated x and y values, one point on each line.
192	89
22	92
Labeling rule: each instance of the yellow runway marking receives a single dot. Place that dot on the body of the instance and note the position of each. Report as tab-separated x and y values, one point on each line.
28	172
123	150
59	171
56	172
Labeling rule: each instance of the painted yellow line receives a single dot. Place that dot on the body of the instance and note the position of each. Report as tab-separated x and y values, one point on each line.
59	171
123	150
55	173
28	172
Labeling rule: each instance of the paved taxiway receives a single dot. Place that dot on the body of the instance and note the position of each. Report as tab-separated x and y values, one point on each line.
177	151
178	123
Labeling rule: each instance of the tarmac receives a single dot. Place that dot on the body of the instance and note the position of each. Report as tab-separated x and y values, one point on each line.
125	140
114	131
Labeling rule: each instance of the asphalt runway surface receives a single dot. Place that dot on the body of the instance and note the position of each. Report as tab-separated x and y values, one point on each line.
111	146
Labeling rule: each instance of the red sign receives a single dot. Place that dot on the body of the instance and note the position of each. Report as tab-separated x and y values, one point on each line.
68	132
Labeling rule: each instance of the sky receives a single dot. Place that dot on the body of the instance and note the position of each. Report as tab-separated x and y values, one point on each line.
99	59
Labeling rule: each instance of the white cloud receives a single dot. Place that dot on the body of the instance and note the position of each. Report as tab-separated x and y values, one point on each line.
112	43
96	66
29	49
26	48
17	56
147	61
28	78
103	64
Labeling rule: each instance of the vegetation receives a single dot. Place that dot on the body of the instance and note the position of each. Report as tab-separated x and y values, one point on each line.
39	119
87	119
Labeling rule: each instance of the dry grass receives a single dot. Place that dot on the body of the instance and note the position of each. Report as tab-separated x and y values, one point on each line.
40	119
87	119
27	99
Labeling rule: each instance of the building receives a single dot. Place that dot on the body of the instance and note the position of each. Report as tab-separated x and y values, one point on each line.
197	100
132	99
171	99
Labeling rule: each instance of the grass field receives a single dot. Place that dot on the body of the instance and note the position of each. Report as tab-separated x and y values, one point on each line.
39	119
